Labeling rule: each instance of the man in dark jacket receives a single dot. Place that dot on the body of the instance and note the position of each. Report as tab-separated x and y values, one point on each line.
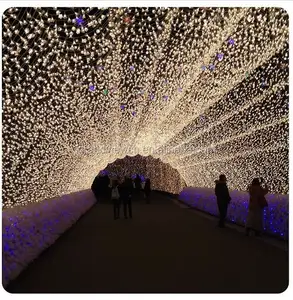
223	198
126	193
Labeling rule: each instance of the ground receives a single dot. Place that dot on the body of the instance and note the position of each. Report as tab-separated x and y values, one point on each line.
165	248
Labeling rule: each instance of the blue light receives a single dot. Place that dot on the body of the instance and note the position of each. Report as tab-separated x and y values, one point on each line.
275	222
79	21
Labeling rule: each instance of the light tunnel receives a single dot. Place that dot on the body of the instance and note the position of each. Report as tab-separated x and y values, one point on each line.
204	91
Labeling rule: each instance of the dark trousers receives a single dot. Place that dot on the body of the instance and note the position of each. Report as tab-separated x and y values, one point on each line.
223	207
127	205
116	208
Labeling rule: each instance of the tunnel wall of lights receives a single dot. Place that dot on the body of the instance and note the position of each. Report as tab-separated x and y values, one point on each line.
29	230
276	215
205	90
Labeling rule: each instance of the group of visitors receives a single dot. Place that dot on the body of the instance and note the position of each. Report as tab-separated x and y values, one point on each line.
121	191
257	203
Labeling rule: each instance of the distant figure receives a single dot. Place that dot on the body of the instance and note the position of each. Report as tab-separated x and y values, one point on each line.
223	198
115	196
137	184
126	189
257	202
106	186
96	187
147	190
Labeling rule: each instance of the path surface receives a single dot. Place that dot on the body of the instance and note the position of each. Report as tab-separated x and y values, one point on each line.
165	248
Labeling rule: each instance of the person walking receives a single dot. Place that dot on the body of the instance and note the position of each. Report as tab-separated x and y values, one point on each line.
223	198
257	203
147	190
115	196
126	196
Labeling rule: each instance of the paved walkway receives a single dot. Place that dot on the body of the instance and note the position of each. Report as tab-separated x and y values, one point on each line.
165	248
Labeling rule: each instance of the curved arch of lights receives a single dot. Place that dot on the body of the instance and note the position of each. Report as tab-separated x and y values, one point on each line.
162	176
203	89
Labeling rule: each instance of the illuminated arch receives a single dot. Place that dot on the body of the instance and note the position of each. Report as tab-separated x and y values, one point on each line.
163	177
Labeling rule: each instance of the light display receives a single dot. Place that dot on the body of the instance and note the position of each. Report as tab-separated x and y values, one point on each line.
276	215
58	133
162	176
28	230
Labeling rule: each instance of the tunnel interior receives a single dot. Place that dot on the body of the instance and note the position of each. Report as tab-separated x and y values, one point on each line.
205	90
162	176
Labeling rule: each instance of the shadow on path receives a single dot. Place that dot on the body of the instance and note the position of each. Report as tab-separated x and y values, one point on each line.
163	249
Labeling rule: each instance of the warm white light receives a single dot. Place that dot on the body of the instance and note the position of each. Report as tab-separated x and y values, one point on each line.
220	119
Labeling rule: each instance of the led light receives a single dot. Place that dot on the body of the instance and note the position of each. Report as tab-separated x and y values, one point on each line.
58	132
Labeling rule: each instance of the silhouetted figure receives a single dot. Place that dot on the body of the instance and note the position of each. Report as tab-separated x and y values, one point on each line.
137	185
115	196
223	198
147	190
107	187
97	187
105	182
126	193
257	202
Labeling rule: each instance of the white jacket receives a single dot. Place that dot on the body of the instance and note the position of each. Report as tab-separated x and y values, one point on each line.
115	193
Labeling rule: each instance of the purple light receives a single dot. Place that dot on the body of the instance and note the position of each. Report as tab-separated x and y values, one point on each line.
92	88
100	68
122	107
231	42
79	21
165	97
131	68
180	89
274	223
152	96
134	113
211	67
220	56
203	68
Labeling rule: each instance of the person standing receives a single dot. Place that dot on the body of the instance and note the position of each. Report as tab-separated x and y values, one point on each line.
107	190
257	203
223	198
115	199
137	184
147	190
126	195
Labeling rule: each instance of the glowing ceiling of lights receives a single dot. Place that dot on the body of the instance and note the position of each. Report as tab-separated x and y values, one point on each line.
205	90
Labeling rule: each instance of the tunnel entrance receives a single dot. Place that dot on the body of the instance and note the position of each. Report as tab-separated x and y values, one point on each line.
163	177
